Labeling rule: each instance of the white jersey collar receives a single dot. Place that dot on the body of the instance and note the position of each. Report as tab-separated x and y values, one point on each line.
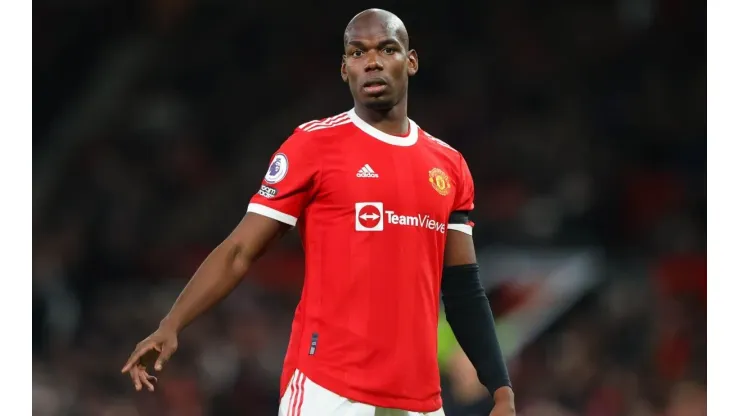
408	140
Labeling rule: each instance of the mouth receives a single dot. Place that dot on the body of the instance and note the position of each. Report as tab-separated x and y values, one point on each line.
375	86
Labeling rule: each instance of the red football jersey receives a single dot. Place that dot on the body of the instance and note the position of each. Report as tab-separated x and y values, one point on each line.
372	210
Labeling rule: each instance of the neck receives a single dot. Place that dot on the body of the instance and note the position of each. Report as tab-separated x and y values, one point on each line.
393	121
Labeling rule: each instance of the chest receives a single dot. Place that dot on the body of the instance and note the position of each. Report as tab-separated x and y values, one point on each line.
406	181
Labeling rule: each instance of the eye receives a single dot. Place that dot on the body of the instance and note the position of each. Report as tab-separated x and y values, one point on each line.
356	53
389	50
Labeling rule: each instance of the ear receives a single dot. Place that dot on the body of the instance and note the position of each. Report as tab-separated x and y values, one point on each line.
413	62
343	69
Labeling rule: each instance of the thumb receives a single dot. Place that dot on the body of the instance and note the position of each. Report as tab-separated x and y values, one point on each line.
168	348
136	356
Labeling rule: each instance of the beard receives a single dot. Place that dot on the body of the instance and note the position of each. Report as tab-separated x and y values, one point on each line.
380	104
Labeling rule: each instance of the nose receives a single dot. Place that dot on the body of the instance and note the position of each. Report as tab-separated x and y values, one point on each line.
373	63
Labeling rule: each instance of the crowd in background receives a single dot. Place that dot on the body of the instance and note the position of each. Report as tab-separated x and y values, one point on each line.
584	124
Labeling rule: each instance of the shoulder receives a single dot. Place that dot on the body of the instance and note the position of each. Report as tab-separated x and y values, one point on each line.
324	126
435	141
444	150
307	137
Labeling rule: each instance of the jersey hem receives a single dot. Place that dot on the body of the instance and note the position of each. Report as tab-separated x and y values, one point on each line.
342	389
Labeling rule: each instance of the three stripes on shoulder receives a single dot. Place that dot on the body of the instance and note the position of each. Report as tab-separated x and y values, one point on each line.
326	123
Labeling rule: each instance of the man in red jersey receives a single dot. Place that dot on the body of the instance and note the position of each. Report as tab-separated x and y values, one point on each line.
382	209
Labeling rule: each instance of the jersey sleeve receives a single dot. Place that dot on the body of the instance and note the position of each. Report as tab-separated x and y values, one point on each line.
464	196
290	181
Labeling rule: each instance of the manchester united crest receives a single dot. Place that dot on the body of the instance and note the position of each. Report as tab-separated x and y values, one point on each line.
440	181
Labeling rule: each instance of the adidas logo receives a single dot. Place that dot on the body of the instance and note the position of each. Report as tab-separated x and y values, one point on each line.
366	172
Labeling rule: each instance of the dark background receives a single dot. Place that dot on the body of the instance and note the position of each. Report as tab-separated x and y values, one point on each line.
584	125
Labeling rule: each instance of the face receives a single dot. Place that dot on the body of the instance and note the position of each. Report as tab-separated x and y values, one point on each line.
377	66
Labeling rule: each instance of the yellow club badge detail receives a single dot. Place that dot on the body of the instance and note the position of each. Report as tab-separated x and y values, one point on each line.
440	181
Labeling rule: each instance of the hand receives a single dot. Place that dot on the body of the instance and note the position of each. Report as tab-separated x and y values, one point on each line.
504	402
162	341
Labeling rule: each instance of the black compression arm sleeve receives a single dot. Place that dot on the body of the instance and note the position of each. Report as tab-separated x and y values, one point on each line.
469	315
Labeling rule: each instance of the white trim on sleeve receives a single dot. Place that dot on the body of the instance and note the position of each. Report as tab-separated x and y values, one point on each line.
463	228
272	213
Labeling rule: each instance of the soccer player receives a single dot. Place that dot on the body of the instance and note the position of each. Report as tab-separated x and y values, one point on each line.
382	209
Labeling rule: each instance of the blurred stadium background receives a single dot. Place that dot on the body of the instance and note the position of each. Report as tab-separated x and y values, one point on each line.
584	124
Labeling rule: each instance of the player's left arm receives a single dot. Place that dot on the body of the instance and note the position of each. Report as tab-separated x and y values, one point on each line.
466	306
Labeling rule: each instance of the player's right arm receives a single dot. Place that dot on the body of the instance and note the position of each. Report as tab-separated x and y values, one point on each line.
286	189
